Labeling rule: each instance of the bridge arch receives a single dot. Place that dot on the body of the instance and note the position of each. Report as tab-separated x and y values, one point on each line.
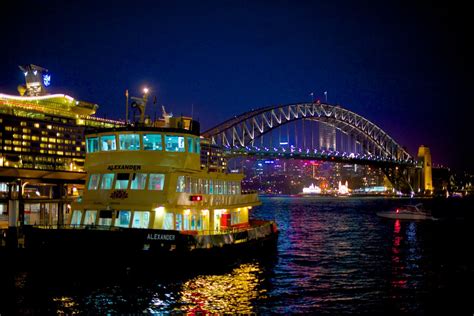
243	129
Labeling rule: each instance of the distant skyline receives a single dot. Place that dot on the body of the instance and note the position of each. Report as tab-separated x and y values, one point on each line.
404	66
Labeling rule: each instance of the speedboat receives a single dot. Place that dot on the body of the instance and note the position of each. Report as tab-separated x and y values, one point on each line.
410	212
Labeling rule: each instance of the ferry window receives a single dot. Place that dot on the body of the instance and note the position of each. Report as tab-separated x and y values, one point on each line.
186	221
93	182
174	143
195	222
76	217
224	187
194	185
107	143
179	221
187	186
180	185
107	180
138	181
235	217
190	144
157	181
90	217
168	221
105	218
198	146
211	186
122	181
129	141
141	219
122	219
204	219
206	186
92	144
152	142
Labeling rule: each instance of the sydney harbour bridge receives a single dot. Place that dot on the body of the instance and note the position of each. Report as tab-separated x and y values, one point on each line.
317	131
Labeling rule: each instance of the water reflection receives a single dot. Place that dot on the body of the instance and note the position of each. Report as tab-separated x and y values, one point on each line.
398	265
233	292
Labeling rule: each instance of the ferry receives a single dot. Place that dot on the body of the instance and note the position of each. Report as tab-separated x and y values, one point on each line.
148	193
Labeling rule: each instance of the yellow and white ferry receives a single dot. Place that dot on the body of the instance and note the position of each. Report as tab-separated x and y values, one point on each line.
148	192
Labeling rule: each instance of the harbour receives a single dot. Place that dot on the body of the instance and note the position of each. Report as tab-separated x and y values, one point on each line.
236	158
334	256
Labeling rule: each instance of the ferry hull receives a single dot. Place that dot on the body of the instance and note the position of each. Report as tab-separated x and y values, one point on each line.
129	246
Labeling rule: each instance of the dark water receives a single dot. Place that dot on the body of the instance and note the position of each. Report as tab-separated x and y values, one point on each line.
335	256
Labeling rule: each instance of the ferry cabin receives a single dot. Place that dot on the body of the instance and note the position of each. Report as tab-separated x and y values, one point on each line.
152	178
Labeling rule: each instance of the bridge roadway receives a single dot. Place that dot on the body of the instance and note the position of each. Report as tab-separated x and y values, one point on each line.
321	155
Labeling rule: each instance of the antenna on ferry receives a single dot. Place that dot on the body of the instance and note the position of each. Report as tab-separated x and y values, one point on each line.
126	106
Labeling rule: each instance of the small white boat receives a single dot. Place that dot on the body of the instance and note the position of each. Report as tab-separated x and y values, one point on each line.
410	212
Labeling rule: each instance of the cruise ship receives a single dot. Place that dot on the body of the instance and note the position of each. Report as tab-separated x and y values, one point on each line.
42	151
148	194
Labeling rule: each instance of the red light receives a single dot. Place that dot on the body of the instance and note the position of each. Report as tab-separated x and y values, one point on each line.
397	210
195	198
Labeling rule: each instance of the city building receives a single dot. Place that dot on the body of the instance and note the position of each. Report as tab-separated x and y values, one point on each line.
42	147
327	136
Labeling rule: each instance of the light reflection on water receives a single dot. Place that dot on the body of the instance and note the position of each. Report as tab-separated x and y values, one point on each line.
233	292
334	256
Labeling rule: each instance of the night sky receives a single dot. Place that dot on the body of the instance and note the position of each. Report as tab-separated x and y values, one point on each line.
405	66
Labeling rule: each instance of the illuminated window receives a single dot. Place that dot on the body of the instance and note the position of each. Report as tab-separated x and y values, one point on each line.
179	221
92	144
180	184
190	144
211	186
122	218
93	181
35	138
26	130
90	217
174	143
22	123
122	181
138	181
141	219
60	153
235	217
8	128
37	125
76	217
106	182
156	182
105	218
108	143
49	127
168	221
129	141
198	146
44	139
152	142
52	140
